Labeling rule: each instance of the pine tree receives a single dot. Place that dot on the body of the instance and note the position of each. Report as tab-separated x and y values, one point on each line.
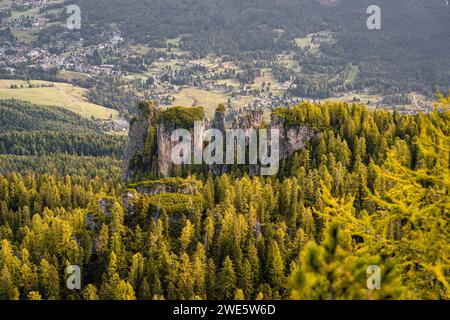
208	232
185	281
209	192
137	270
7	289
199	271
34	295
328	272
239	295
227	280
187	235
410	224
248	278
49	281
103	239
210	279
275	266
124	291
144	291
90	292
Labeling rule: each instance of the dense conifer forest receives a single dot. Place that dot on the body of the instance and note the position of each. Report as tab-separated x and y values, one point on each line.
410	54
372	188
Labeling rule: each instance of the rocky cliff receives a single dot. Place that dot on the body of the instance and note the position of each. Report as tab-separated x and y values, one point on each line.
148	152
164	131
292	137
137	136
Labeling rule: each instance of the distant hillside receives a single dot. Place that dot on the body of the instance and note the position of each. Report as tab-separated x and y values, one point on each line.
24	116
32	130
241	22
410	53
55	94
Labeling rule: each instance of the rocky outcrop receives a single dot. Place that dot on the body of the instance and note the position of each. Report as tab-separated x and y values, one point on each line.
139	157
177	189
168	121
219	120
164	132
292	138
135	144
252	119
137	136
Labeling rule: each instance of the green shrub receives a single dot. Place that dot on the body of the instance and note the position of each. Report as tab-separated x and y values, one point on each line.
182	117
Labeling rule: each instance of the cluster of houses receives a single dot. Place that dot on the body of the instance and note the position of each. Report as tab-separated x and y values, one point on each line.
63	54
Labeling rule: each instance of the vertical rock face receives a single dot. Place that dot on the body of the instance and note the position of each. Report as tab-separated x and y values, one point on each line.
252	119
165	146
181	118
137	136
219	121
198	142
164	132
292	138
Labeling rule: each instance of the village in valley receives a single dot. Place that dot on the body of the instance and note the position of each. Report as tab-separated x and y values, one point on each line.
36	44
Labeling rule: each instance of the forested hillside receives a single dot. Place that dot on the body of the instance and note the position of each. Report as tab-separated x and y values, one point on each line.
410	53
364	175
23	116
53	140
372	188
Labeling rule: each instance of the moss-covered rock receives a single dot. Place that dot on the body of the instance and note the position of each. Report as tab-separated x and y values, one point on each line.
181	117
221	108
137	157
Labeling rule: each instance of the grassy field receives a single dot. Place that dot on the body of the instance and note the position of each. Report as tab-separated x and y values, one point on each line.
191	97
289	62
352	74
25	36
5	3
72	75
195	97
308	41
61	95
142	50
303	42
230	82
29	36
267	77
159	65
32	12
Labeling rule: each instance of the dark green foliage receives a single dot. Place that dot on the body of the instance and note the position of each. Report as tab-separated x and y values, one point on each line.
410	53
23	116
146	107
174	184
55	141
181	117
221	108
303	114
237	235
105	168
37	143
174	203
113	93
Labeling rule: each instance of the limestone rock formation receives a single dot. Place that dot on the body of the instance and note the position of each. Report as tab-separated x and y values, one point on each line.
148	152
164	131
292	137
137	136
